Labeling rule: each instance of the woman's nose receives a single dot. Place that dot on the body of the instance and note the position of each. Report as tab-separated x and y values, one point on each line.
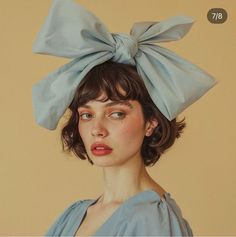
99	130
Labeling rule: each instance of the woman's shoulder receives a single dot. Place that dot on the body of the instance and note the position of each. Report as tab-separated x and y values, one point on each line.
174	214
161	215
66	216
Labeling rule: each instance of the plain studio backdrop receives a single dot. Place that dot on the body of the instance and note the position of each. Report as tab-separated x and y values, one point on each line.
38	181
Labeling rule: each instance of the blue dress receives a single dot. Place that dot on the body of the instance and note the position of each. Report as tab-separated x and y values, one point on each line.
144	214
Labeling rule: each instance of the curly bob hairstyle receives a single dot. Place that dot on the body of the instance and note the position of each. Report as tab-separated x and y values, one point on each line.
107	78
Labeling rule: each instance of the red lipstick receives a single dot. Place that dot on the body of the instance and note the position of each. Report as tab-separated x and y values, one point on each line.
99	149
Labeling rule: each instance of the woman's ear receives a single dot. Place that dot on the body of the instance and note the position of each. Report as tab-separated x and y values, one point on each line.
150	126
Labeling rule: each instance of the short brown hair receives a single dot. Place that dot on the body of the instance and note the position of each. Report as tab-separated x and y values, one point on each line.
106	77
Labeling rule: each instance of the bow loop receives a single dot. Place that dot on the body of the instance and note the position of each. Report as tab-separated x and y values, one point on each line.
126	48
71	31
170	29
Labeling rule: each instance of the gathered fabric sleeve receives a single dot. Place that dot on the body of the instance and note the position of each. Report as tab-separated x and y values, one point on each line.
157	218
61	223
173	222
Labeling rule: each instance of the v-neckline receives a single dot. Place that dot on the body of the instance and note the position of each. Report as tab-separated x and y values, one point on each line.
137	196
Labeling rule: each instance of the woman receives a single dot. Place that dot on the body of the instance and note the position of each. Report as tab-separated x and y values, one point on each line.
124	93
116	126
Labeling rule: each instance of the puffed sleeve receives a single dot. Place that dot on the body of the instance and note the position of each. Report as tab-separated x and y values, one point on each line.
61	222
172	221
161	217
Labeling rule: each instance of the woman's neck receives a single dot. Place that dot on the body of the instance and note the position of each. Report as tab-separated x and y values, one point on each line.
123	182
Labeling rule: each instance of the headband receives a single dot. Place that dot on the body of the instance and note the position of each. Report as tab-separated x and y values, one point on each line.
71	31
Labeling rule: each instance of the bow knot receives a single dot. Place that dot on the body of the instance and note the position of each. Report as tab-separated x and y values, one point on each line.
126	48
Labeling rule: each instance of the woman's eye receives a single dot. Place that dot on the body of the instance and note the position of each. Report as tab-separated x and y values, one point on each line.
118	115
114	115
85	116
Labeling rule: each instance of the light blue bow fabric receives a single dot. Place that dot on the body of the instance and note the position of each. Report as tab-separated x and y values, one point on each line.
71	31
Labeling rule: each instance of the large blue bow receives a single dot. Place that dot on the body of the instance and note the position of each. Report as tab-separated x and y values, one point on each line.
73	32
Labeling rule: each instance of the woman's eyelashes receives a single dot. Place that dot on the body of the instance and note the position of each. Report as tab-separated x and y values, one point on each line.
86	116
118	115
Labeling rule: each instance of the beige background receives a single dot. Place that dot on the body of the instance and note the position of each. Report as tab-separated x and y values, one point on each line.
38	181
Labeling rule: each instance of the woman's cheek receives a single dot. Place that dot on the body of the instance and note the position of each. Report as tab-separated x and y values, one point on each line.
130	130
82	129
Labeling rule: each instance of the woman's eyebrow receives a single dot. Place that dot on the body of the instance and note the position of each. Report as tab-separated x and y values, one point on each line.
113	103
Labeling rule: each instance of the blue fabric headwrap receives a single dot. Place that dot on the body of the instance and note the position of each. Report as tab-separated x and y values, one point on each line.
71	31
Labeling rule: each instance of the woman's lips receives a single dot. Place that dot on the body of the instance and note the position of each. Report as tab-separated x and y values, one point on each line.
99	149
101	152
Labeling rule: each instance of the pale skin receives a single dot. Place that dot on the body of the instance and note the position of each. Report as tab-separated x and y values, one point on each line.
121	127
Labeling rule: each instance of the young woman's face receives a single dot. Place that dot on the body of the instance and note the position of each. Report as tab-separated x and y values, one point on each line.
112	132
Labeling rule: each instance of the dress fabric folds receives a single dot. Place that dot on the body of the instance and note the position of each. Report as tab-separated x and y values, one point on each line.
144	214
